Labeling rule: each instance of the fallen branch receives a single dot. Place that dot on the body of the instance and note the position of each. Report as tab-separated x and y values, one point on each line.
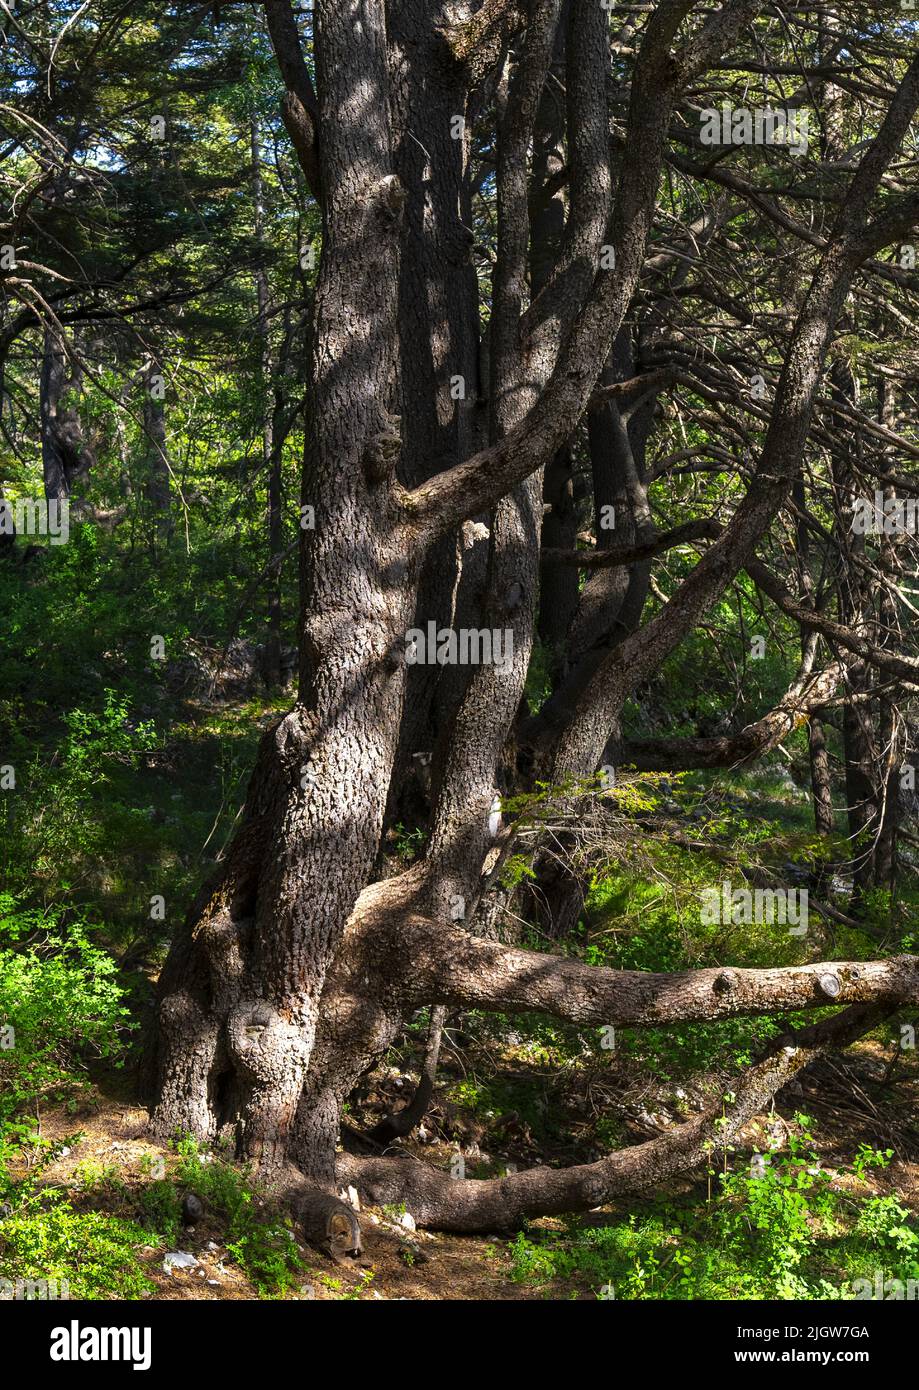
453	1204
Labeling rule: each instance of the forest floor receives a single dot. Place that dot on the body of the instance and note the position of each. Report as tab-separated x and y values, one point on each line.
105	1159
512	1091
113	1136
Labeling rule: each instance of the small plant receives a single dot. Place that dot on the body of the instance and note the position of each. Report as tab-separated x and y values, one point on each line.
360	1288
882	1222
160	1208
408	843
866	1158
93	1176
779	1210
60	1002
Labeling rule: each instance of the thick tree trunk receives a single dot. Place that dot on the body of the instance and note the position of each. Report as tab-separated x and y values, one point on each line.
438	329
240	994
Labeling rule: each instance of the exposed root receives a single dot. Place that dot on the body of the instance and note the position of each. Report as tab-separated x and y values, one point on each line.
437	1200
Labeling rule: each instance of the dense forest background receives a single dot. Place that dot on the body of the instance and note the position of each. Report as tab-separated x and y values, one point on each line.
704	550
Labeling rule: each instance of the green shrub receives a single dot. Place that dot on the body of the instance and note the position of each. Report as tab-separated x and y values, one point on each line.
261	1241
776	1230
60	1002
94	1254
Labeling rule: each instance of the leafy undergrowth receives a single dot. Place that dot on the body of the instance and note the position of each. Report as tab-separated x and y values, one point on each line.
783	1228
102	1226
100	1209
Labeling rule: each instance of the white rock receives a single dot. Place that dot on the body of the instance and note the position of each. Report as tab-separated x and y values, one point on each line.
407	1220
179	1259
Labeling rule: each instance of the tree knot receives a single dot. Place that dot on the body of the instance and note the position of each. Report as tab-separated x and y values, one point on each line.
390	197
725	982
382	449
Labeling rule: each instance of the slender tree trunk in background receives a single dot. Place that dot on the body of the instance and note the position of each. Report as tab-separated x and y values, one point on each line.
65	451
406	1119
857	738
8	531
125	486
158	472
272	668
892	742
610	603
558	584
858	745
818	754
271	449
821	792
892	729
53	365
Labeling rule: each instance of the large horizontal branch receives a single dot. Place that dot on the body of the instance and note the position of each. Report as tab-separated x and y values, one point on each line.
451	967
808	693
435	1199
903	668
